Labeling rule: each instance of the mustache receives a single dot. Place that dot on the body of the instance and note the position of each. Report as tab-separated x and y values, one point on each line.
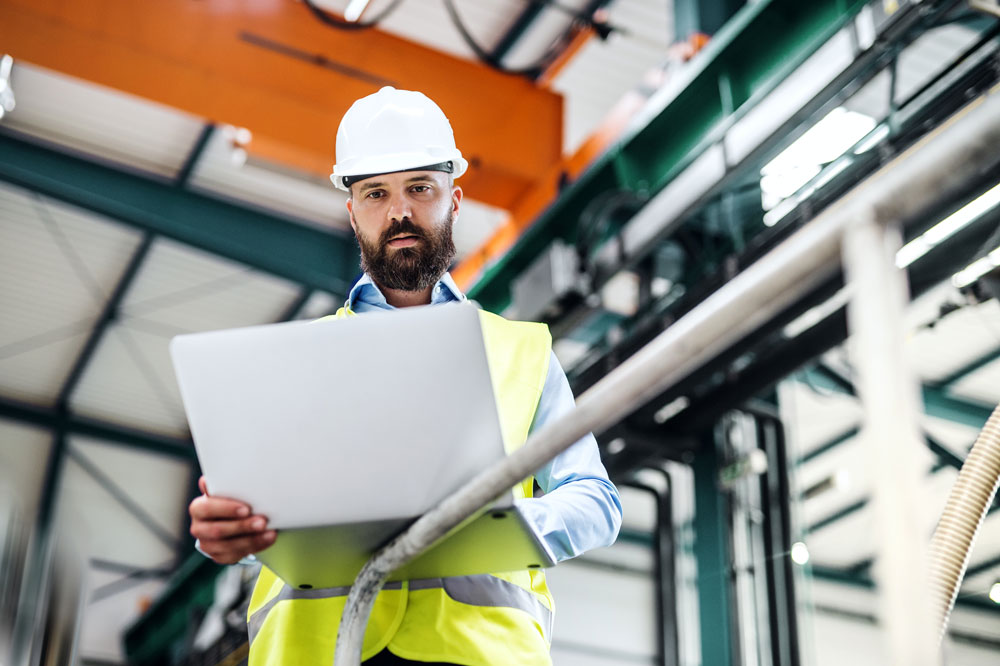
403	226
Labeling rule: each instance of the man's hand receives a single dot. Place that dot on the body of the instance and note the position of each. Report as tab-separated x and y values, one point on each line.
226	529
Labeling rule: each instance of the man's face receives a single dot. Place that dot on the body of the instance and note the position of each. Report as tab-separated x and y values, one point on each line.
403	224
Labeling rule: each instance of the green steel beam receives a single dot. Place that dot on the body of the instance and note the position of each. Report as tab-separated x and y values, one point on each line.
937	402
847	577
828	445
967	369
77	425
194	157
309	256
104	321
699	16
747	58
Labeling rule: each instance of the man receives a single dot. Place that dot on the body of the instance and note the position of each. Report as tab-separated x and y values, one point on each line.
396	157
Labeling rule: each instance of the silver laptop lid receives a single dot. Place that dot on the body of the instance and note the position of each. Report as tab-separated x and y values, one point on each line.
362	419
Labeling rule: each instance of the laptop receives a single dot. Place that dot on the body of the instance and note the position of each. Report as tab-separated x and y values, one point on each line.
344	432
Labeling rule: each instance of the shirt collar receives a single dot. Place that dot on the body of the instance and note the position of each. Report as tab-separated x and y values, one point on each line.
365	295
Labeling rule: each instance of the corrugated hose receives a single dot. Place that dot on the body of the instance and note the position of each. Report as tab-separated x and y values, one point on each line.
963	515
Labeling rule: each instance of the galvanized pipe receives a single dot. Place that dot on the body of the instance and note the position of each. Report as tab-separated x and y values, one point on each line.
890	396
954	153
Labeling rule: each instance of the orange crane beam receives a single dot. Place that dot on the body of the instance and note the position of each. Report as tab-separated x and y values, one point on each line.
270	66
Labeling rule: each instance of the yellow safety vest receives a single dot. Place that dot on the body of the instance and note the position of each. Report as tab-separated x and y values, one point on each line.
503	618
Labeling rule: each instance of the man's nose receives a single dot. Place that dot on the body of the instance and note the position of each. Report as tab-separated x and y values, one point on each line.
399	208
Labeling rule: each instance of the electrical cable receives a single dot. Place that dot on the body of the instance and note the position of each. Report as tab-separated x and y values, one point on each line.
335	21
535	70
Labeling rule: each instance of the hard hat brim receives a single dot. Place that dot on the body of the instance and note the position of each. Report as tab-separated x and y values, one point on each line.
402	162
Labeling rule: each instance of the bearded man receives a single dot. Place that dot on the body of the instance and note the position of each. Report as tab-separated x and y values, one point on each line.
396	157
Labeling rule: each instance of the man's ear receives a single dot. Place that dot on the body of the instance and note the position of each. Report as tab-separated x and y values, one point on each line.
456	200
350	213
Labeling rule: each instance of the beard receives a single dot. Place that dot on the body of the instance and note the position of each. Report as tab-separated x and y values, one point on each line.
410	268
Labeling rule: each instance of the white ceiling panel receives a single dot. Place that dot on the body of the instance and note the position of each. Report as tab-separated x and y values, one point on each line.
603	71
130	382
112	532
24	455
815	416
957	339
57	266
982	385
929	55
223	173
105	620
101	121
428	23
178	290
188	290
843	543
157	483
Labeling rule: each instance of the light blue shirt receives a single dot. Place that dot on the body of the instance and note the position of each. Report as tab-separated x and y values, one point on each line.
581	508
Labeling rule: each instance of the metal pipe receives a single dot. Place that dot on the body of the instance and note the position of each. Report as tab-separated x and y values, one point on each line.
889	396
954	153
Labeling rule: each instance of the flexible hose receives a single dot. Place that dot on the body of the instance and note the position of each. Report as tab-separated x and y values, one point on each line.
963	515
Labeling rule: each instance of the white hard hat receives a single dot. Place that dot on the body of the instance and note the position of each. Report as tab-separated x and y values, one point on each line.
394	130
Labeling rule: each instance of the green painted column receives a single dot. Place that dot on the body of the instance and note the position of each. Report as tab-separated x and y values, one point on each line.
711	551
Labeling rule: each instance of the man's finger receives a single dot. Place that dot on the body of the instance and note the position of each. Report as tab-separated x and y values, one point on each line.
202	486
215	530
216	508
230	551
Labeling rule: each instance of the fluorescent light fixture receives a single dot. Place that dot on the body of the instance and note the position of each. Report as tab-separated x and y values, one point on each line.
976	269
355	8
6	91
800	553
872	140
671	409
802	161
616	446
948	227
816	314
995	593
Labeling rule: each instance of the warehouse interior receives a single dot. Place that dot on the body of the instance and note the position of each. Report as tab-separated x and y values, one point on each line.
164	170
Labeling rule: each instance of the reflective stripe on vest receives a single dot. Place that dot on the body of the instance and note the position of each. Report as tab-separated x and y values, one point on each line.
483	590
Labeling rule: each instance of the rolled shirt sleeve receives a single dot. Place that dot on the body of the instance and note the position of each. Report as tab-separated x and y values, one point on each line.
581	508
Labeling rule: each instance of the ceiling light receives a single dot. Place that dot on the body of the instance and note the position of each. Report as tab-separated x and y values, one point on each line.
616	446
799	553
355	8
802	161
948	227
6	91
976	269
995	593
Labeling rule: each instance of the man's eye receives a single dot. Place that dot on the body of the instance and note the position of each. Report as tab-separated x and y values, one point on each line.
375	194
420	188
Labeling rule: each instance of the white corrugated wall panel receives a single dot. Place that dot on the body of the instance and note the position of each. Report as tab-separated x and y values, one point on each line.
100	121
57	267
